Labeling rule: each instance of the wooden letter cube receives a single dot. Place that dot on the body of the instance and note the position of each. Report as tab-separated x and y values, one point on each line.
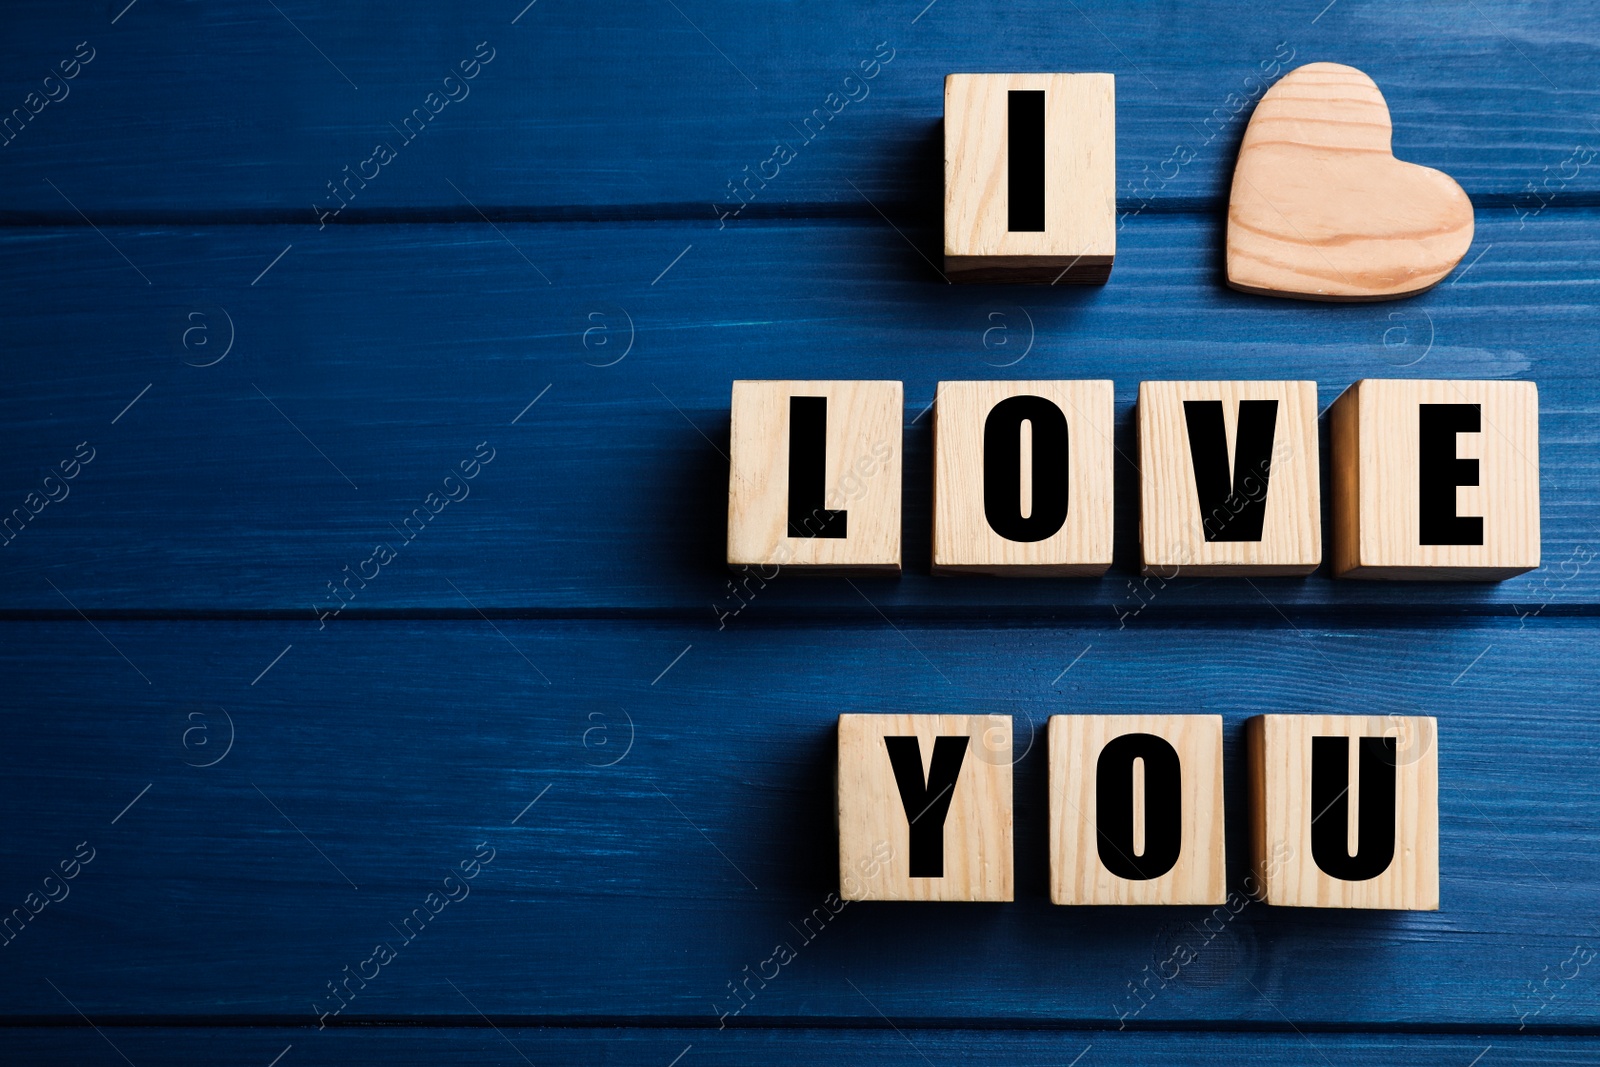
1022	478
814	475
1435	479
1030	166
924	806
1345	810
1158	836
1228	478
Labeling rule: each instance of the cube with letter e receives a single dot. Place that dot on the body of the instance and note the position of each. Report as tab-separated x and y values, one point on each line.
1435	479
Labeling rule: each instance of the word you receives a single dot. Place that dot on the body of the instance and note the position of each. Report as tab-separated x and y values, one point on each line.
32	104
34	902
784	152
455	89
384	553
33	504
383	953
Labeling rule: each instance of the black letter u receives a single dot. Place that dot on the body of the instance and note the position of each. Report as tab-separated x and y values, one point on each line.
1330	807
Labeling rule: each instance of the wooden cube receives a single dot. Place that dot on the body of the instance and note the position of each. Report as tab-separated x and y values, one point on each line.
814	475
1435	479
1030	177
1023	478
1345	810
1229	479
1136	810
924	805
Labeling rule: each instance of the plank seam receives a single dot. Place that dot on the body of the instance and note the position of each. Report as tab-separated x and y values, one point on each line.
798	211
779	1023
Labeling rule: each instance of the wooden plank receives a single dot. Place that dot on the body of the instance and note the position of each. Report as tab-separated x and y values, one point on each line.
572	116
471	1040
370	362
384	755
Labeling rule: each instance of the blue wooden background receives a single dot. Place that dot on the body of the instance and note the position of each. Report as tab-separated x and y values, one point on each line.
554	284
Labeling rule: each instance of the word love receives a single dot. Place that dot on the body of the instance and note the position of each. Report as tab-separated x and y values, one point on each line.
1344	809
1429	479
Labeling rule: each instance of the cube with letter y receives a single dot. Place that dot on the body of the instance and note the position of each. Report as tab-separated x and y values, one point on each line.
925	807
1229	478
1136	810
814	475
1435	479
1345	810
1030	166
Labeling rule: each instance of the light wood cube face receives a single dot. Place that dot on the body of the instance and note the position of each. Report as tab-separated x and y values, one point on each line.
1023	478
1345	810
1435	480
815	475
1030	177
1136	811
925	807
1229	478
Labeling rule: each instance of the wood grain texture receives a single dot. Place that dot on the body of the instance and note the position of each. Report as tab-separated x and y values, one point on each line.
397	747
1077	873
861	463
1321	209
1283	814
1375	433
964	540
1077	239
1183	531
876	827
630	507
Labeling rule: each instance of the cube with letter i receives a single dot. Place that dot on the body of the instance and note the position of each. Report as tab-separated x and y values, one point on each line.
1229	481
1136	809
814	475
925	807
1345	810
1030	166
1435	479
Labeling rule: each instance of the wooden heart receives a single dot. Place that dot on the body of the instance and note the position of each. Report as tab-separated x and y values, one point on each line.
1321	209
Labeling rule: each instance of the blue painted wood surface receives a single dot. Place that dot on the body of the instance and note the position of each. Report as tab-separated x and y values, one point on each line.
472	1040
217	109
541	276
645	887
